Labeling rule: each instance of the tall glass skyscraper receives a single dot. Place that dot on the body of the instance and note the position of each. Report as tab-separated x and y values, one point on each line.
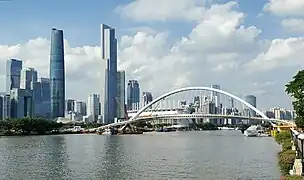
28	77
121	81
133	95
251	99
57	74
108	74
13	70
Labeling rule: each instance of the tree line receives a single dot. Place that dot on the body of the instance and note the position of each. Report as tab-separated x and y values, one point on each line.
28	126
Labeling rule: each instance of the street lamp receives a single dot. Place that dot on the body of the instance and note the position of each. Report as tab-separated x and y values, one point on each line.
301	137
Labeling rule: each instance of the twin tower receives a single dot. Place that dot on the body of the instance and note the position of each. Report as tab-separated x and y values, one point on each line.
108	93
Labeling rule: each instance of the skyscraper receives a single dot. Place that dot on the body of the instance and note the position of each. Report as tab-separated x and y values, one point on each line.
57	74
93	107
133	95
28	77
215	96
108	73
147	97
13	69
121	80
252	101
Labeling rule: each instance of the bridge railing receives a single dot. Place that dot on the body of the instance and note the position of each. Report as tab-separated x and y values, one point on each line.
298	141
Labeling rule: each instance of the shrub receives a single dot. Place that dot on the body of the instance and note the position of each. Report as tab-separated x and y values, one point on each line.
286	160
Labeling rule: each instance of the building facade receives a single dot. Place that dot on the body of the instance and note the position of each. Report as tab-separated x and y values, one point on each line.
252	101
93	107
13	70
22	103
147	98
5	106
133	95
108	73
28	77
57	74
121	80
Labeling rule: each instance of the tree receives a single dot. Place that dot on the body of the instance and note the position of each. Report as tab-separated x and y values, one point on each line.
295	89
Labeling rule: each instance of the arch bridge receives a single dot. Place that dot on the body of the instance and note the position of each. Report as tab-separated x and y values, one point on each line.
136	117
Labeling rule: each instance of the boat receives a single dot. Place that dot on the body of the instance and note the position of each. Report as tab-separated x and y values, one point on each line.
251	131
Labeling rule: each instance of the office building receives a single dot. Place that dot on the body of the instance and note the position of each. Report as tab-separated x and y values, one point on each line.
28	77
57	74
108	73
13	69
133	95
121	80
93	107
147	98
80	108
216	98
252	101
69	105
22	103
5	106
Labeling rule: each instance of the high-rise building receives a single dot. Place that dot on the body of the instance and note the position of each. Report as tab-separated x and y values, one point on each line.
147	98
13	69
216	98
28	77
121	81
80	108
1	107
108	73
22	103
252	101
93	107
5	106
57	74
69	105
133	95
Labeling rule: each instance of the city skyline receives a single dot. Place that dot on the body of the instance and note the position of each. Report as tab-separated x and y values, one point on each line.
149	54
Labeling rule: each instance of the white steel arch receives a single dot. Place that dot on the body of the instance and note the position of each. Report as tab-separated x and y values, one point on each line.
134	118
196	88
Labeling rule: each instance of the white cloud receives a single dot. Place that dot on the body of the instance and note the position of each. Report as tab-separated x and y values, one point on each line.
285	7
293	25
219	49
163	10
82	63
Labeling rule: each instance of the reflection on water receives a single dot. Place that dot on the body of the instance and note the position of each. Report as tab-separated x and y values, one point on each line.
181	155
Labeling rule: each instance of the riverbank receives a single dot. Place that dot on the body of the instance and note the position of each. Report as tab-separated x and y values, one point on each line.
287	156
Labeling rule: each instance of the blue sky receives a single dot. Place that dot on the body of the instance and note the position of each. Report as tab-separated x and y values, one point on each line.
81	20
211	48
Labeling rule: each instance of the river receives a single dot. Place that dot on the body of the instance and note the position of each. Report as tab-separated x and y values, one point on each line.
201	155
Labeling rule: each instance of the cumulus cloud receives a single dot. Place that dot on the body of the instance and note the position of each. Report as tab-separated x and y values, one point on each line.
293	25
163	10
219	49
285	7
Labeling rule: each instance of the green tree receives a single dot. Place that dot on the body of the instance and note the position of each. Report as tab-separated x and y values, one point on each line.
295	88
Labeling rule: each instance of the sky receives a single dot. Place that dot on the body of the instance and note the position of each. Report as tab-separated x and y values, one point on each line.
248	47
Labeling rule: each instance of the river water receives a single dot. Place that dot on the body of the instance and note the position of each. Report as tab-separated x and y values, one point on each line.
213	155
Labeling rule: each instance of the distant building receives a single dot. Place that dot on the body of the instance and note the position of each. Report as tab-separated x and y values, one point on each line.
5	106
22	103
28	77
93	107
80	108
121	81
133	95
57	74
252	101
108	73
13	69
147	98
69	105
